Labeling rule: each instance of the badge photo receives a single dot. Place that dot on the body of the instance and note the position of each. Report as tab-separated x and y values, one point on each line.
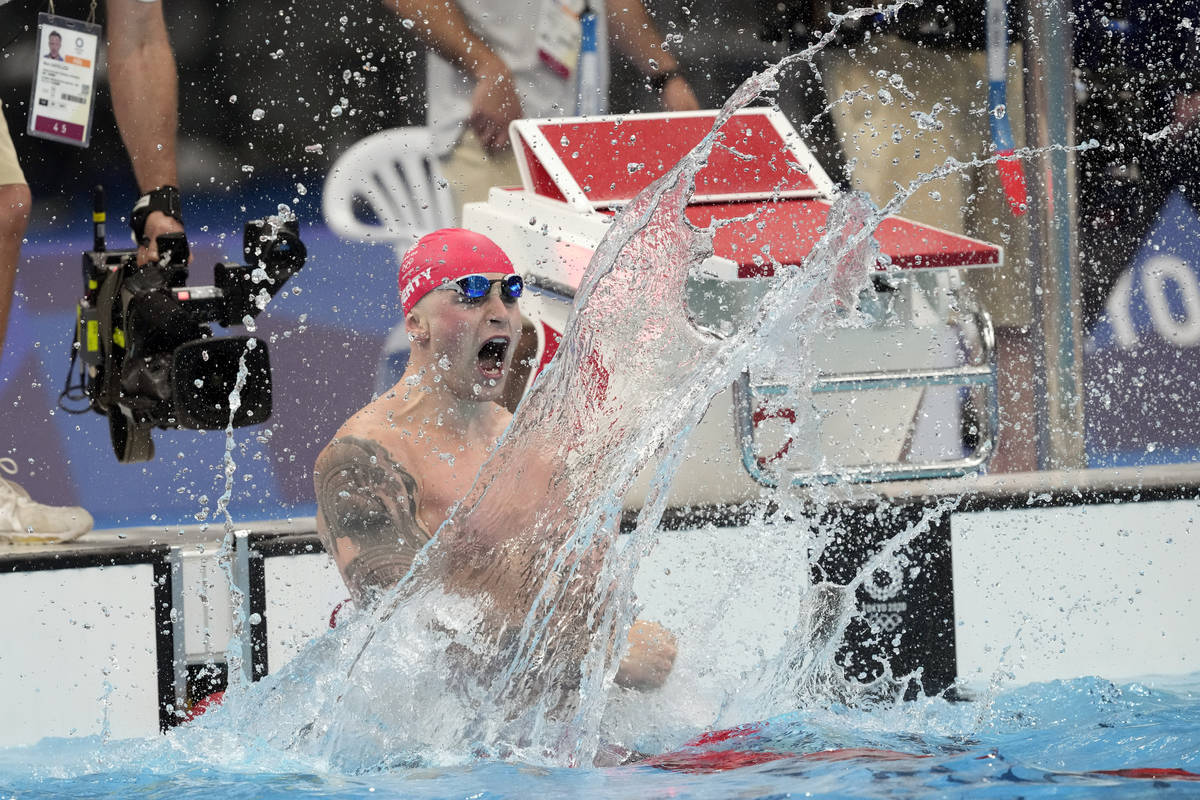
62	99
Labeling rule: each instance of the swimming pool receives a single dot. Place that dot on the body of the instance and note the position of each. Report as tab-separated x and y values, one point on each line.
1045	740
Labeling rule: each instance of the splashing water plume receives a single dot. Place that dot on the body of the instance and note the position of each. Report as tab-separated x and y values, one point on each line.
503	638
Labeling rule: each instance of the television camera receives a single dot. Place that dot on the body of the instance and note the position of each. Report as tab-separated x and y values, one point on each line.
149	358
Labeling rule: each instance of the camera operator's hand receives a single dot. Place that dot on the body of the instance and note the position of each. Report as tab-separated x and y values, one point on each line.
157	212
157	223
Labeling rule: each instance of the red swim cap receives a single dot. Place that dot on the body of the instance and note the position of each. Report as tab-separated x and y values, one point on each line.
444	256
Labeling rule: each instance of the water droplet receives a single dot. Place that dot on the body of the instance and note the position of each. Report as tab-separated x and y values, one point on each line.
233	98
247	168
313	148
633	167
999	111
257	114
408	23
885	96
300	190
927	122
336	111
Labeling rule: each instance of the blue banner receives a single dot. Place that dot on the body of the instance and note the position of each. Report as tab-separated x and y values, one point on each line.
1142	358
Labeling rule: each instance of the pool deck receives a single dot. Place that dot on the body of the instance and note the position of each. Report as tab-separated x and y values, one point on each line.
1132	484
974	561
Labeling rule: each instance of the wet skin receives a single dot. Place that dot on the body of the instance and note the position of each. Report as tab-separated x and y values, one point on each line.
396	470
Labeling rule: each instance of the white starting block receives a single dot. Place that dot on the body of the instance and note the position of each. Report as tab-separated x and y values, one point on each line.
889	399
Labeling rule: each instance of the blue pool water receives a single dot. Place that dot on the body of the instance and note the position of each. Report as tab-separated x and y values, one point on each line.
1045	740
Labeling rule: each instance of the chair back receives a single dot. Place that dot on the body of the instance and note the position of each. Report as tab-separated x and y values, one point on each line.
396	174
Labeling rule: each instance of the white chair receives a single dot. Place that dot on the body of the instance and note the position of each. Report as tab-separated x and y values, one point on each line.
397	175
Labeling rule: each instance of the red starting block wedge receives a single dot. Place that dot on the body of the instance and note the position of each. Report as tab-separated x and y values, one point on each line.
773	201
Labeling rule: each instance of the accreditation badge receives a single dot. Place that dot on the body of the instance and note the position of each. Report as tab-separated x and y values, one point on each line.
60	106
559	34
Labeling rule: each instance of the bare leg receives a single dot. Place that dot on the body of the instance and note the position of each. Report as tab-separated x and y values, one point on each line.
15	202
21	518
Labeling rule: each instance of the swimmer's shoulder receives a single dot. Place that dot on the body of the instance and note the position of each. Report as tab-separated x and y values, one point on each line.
383	420
368	437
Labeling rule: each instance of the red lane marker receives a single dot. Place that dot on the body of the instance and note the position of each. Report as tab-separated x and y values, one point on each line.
869	753
724	735
712	760
720	760
1151	773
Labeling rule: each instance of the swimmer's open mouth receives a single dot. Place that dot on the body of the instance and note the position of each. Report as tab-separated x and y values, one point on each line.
491	356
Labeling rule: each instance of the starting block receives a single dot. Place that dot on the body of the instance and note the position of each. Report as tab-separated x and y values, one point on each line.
911	396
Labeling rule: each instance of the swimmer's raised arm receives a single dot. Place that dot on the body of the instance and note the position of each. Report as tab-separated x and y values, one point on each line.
367	515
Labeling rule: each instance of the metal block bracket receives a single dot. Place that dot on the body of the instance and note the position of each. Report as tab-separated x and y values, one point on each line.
748	400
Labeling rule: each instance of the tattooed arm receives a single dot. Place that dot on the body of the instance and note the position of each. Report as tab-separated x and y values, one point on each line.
367	515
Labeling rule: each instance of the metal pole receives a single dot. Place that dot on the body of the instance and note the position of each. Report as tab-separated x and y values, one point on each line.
1050	128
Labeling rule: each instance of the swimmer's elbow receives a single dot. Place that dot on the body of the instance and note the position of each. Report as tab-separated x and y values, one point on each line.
373	572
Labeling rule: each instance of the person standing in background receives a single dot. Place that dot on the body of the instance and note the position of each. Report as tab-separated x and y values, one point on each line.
495	61
142	75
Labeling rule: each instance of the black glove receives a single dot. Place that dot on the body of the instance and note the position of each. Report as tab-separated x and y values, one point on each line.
165	199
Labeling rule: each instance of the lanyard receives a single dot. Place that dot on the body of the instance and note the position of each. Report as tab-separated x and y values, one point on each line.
91	12
1012	173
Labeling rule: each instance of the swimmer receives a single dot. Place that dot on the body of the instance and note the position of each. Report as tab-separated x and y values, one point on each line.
395	470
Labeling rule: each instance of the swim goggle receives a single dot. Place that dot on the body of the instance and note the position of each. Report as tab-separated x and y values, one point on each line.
474	288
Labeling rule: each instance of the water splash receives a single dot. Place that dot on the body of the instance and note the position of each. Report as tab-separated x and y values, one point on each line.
503	639
525	666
